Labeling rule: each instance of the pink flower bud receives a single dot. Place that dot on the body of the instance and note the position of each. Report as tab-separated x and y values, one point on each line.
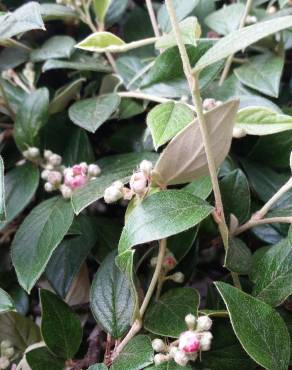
169	262
181	358
54	177
205	340
4	363
55	159
127	193
75	177
189	342
65	191
138	183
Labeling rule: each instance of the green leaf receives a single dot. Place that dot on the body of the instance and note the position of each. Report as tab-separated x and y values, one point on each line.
201	187
166	317
238	256
52	12
262	73
6	302
37	238
190	31
226	19
32	116
137	354
180	163
78	148
65	95
262	121
100	42
70	255
166	120
115	11
272	273
182	9
55	47
234	186
169	365
3	216
110	298
20	186
19	330
93	112
101	8
113	168
226	352
161	215
79	62
180	244
61	328
259	328
42	359
241	39
23	19
97	367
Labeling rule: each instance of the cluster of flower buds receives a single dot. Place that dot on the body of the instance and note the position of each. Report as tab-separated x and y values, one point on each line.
251	19
7	353
211	103
73	4
32	154
138	185
168	264
196	339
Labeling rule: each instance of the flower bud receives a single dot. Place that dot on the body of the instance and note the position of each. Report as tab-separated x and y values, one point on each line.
138	183
8	352
193	356
33	152
251	19
159	358
146	167
209	104
181	358
238	132
153	261
127	193
169	262
45	174
177	277
205	341
271	10
5	344
204	323
172	351
4	363
65	191
190	321
118	185
158	345
25	154
189	342
48	187
47	154
55	159
54	177
112	194
93	170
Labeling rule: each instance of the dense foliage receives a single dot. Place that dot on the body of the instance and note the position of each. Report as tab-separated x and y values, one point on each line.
145	185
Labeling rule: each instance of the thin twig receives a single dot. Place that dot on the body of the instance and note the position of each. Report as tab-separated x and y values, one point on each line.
196	97
152	18
270	220
230	58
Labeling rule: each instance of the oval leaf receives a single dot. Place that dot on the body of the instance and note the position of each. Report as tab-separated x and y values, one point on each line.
61	328
6	302
262	121
241	39
42	359
110	298
93	112
37	238
100	42
166	317
166	120
259	328
55	47
238	256
184	158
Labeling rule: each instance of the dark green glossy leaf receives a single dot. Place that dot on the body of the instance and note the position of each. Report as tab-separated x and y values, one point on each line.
51	11
53	48
166	317
259	328
201	187
238	256
31	118
93	112
20	186
97	367
137	354
61	328
42	359
37	238
110	298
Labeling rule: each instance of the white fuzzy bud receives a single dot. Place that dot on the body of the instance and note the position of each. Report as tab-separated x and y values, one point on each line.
181	358
54	177
4	363
251	19
172	351
65	191
25	154
118	185
191	321
146	167
158	345
48	187
193	356
205	341
47	154
271	10
153	261
5	344
45	174
159	358
33	152
177	277
138	183
55	159
112	194
238	132
204	323
94	170
8	352
209	104
49	167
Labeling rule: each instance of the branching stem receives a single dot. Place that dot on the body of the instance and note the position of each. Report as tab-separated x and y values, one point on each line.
152	18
